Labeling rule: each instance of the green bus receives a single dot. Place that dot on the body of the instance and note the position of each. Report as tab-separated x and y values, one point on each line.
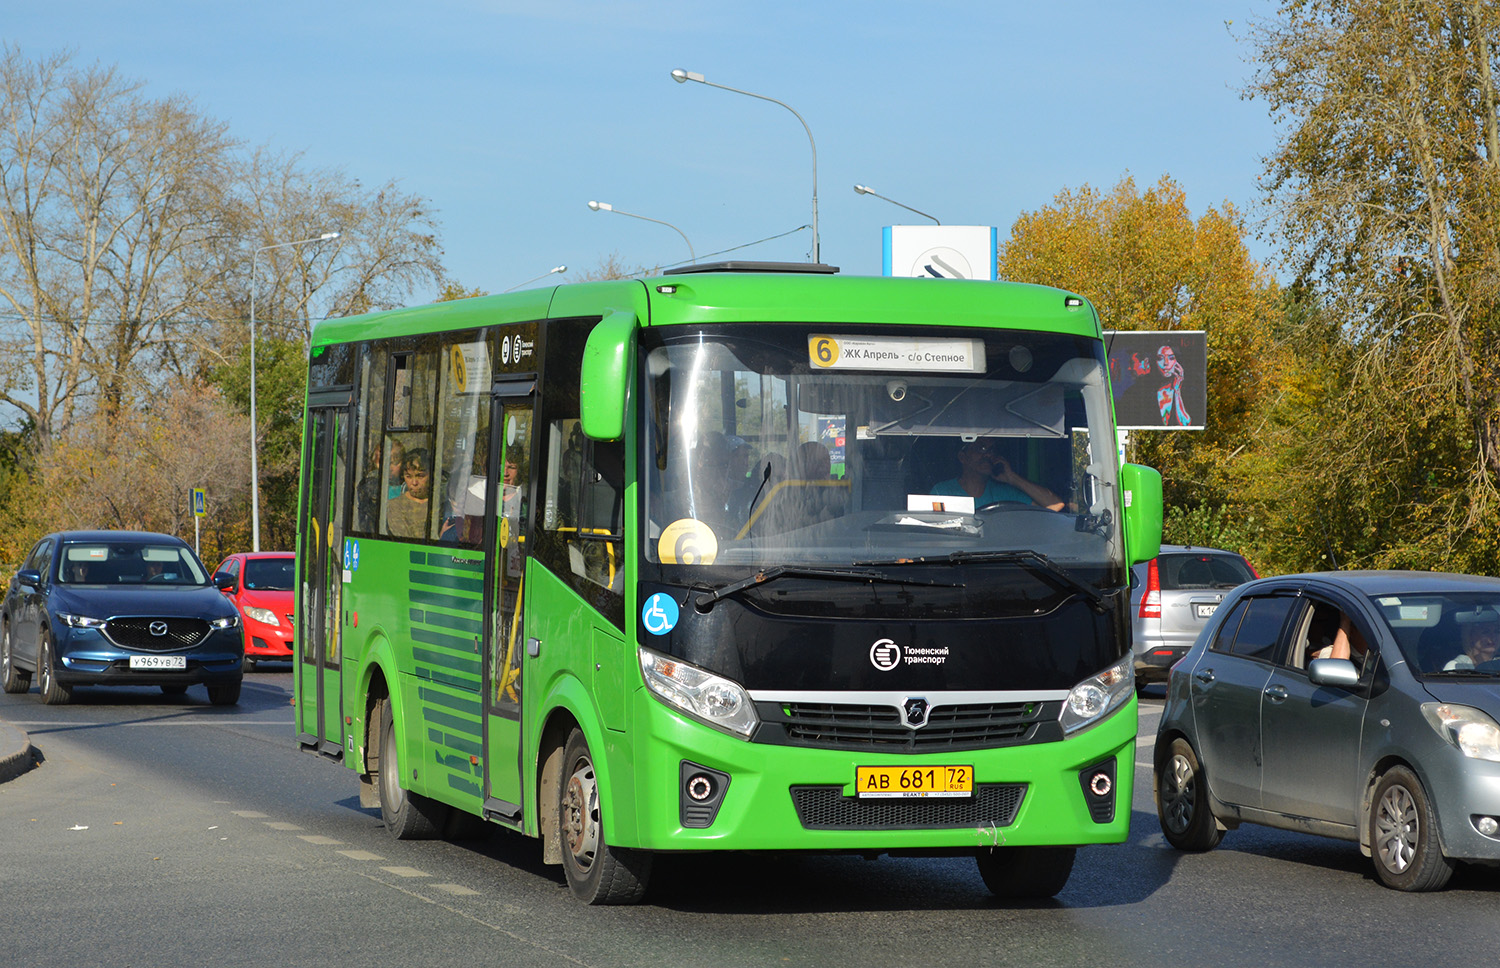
741	557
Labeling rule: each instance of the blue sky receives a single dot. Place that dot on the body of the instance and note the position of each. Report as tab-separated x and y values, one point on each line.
511	116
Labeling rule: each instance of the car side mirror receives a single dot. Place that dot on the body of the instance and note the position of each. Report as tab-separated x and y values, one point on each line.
29	577
1333	672
224	581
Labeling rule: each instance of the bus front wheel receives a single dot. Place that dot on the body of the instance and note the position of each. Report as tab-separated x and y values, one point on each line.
597	873
1025	872
407	815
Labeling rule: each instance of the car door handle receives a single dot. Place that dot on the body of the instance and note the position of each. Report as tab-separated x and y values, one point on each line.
1204	676
1276	694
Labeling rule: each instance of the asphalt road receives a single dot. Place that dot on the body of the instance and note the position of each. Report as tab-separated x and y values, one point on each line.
164	832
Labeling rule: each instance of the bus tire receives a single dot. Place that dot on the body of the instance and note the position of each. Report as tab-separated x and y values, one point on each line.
407	815
597	873
1025	872
1182	805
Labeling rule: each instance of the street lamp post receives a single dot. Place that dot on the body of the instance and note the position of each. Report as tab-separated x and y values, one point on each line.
254	447
867	190
542	276
682	77
606	207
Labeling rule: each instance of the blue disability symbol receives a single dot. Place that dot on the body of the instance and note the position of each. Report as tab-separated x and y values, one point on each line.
659	614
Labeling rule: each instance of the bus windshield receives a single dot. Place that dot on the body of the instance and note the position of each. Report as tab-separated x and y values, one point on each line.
815	445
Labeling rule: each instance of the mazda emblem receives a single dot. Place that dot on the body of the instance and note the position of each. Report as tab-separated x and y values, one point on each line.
158	628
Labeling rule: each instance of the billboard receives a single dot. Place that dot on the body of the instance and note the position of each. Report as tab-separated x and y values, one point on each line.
940	251
1159	379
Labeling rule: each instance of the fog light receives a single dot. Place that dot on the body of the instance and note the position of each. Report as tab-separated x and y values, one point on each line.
700	787
1101	784
1488	826
1098	784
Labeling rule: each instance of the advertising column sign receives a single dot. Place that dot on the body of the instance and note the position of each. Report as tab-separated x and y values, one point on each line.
940	251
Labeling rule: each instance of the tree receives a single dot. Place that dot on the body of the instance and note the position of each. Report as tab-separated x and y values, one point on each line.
1387	182
109	216
1146	264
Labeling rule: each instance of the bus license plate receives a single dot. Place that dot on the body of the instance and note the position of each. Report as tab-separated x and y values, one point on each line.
914	781
177	662
1205	611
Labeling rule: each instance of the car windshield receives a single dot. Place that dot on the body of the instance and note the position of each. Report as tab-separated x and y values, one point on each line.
112	563
268	574
786	444
1452	634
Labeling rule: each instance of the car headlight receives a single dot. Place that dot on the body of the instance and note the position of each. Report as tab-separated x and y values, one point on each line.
227	622
1471	730
1098	696
81	621
263	615
714	700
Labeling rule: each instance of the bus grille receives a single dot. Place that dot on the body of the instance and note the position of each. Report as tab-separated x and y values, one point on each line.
957	727
826	808
135	633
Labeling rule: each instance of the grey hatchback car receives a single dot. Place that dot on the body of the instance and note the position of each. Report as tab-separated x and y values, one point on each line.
1356	705
1172	597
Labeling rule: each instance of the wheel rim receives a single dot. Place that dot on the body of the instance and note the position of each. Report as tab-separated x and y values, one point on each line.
44	667
1178	788
5	654
1398	829
580	815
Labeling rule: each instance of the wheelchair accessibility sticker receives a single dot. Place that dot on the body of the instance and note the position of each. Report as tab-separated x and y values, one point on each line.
659	614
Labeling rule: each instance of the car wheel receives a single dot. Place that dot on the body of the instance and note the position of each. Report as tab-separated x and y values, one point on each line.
224	693
248	665
13	680
597	873
1025	872
53	692
409	816
1403	835
1182	801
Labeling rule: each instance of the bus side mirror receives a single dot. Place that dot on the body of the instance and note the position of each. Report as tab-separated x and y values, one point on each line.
604	379
1141	487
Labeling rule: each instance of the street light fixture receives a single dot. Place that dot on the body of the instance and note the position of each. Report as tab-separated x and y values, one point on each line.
542	276
682	77
254	467
606	207
867	190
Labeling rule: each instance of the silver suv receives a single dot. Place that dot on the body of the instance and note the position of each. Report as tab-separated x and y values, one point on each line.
1172	596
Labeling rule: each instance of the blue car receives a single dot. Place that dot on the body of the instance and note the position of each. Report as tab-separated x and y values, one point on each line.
118	608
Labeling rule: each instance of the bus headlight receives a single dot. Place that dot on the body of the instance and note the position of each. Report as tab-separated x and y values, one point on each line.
1470	729
710	699
1098	696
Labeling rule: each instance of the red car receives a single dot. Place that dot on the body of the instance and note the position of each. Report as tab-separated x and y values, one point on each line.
262	591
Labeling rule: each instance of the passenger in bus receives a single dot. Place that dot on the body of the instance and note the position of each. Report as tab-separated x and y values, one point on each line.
406	516
367	495
988	478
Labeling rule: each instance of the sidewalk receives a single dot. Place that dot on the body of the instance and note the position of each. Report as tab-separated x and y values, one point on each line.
15	752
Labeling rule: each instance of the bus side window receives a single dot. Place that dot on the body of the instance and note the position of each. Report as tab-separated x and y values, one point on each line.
585	485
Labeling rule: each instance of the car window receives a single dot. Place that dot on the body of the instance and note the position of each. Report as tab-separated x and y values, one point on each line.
1454	634
119	563
44	560
1190	571
1224	637
1259	632
268	574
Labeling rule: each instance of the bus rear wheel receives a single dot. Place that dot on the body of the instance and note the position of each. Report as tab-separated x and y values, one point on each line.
407	815
597	873
1026	872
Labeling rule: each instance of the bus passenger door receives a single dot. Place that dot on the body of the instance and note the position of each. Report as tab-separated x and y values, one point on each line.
508	505
319	640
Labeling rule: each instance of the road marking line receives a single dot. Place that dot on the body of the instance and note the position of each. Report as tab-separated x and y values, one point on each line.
281	825
250	814
405	872
360	855
457	889
320	840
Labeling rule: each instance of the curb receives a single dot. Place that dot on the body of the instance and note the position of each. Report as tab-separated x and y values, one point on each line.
15	752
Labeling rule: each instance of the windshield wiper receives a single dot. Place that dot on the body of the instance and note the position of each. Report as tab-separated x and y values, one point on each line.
1476	673
1033	561
828	574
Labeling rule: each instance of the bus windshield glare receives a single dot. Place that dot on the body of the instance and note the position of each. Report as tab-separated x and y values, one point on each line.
816	445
